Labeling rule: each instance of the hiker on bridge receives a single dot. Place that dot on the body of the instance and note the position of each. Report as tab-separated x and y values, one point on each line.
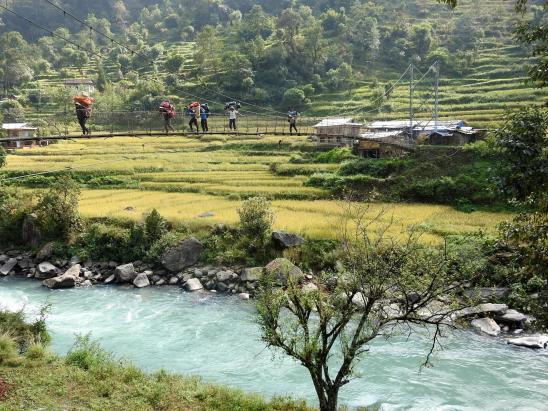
83	104
292	120
168	112
233	114
204	114
193	110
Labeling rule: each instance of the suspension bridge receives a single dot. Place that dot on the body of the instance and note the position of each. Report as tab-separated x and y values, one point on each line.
257	119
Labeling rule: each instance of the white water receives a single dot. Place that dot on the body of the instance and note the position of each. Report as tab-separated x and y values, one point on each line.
216	337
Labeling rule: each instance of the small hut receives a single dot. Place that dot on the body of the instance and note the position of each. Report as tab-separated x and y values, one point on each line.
17	132
337	132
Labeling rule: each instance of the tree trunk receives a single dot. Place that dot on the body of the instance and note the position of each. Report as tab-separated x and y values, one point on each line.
328	399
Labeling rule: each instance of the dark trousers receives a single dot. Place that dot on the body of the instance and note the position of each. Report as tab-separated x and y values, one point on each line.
292	126
83	120
167	124
232	123
193	122
204	125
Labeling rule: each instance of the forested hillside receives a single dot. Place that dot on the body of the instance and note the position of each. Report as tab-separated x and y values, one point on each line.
325	57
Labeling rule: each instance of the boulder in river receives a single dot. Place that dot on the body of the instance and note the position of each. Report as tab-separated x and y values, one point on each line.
512	317
125	273
193	285
8	266
533	341
73	271
284	239
283	269
46	270
141	281
183	255
486	294
60	282
482	309
487	326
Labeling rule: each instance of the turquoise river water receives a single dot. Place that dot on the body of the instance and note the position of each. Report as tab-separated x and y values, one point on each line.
216	337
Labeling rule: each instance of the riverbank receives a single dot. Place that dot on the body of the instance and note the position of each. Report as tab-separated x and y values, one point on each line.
90	378
215	337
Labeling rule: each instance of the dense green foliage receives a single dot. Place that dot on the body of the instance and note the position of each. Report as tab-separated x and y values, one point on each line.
523	145
463	177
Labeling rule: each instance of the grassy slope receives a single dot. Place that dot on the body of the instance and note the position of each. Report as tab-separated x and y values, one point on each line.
53	385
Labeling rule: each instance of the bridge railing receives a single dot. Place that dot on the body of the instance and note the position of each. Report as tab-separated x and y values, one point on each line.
150	122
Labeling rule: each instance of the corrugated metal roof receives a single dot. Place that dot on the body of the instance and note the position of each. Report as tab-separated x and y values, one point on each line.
18	126
420	124
381	135
330	122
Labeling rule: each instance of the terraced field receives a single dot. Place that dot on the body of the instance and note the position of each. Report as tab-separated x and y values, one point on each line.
200	183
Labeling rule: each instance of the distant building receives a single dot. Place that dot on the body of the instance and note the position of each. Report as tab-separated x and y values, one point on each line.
338	132
18	131
81	85
447	132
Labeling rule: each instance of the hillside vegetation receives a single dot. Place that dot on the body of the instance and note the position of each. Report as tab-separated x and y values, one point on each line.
323	57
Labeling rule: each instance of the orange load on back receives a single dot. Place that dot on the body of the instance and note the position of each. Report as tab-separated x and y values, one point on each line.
84	101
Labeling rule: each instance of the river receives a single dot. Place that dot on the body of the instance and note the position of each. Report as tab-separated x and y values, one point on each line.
216	337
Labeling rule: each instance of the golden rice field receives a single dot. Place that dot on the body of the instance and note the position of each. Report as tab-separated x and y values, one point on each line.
184	178
316	218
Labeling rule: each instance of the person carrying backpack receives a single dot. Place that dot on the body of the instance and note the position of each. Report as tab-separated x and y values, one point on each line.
83	104
292	119
193	121
204	114
168	112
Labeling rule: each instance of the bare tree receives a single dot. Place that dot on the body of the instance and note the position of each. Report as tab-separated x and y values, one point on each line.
384	288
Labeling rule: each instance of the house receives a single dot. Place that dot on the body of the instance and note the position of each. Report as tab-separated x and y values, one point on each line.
337	132
380	144
446	132
79	85
18	132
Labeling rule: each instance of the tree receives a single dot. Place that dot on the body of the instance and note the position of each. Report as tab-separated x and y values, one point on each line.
256	219
2	156
294	97
102	81
523	144
384	288
57	209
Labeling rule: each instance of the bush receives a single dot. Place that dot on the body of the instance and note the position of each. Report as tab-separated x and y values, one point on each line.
256	218
87	354
106	242
8	349
155	227
57	209
36	352
157	248
334	156
24	333
14	207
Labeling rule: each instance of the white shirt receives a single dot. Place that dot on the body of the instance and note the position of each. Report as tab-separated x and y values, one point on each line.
232	114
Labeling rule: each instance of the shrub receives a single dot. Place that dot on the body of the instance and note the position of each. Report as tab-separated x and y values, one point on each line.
8	349
87	354
335	155
36	352
22	332
106	242
57	209
256	218
14	207
157	248
155	227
